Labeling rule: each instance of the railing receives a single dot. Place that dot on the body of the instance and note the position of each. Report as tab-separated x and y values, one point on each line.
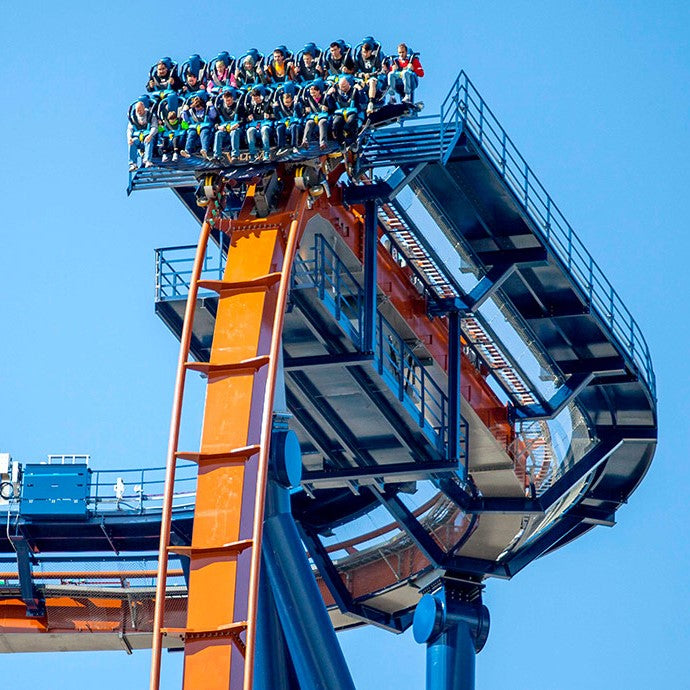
141	490
337	287
174	269
464	104
394	359
134	491
70	459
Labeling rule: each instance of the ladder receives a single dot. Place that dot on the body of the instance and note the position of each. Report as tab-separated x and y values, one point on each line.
225	553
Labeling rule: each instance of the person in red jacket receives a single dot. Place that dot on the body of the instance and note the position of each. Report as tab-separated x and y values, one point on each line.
403	78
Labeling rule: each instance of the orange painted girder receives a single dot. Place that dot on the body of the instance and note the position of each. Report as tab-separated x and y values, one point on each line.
223	586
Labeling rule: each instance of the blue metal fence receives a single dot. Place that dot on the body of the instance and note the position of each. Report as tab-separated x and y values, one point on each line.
464	104
174	269
140	490
394	359
110	492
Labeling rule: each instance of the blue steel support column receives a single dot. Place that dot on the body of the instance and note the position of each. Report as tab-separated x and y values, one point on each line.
370	245
35	604
454	361
454	629
316	655
273	669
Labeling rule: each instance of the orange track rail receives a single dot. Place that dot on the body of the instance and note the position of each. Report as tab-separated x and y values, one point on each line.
233	459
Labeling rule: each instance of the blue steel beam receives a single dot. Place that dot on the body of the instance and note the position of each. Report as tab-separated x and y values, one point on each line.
607	445
314	649
273	667
454	450
387	471
560	399
370	282
397	622
454	625
414	529
330	360
35	604
488	285
401	178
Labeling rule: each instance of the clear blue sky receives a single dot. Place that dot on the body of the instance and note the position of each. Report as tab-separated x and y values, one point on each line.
596	97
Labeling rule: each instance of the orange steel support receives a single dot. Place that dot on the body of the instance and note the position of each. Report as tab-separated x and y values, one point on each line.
95	575
233	459
89	613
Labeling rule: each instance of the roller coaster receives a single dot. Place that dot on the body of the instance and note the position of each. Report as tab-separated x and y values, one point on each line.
403	400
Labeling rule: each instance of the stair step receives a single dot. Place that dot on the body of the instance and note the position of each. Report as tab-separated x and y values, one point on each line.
236	455
232	549
246	366
224	287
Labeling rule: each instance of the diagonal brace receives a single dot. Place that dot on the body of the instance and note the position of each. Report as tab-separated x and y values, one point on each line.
488	285
35	603
562	397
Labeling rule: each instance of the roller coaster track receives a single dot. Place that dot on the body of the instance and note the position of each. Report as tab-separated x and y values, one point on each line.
509	496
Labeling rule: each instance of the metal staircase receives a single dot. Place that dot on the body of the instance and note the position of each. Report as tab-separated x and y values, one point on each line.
416	140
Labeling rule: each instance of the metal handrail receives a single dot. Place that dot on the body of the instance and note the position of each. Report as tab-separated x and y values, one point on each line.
394	359
131	491
174	269
142	489
464	104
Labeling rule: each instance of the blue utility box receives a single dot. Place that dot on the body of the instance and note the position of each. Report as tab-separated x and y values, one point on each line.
55	491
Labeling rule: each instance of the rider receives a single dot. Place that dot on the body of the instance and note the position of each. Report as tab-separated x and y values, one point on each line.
193	73
221	73
163	77
317	109
348	104
259	122
406	70
249	71
231	121
371	67
141	131
171	133
288	112
200	117
307	63
338	60
280	66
